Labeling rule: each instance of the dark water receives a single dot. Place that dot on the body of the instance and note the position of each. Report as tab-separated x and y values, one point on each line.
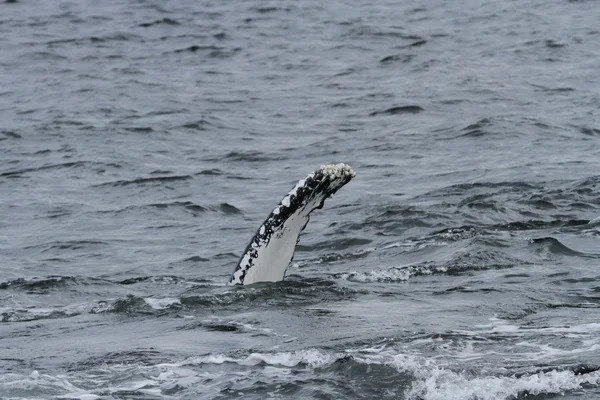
143	142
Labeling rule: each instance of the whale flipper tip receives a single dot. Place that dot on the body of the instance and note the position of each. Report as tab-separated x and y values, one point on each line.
337	170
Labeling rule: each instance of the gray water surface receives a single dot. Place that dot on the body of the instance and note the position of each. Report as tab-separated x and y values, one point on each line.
143	142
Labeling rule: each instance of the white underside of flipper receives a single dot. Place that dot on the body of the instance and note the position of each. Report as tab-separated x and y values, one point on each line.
272	248
275	255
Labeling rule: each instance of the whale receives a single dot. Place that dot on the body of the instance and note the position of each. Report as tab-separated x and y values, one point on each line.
271	250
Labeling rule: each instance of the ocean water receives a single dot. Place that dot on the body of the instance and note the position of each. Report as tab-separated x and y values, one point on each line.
143	142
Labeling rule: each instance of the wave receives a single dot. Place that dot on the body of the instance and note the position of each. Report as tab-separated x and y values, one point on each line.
393	274
28	314
10	134
210	51
398	110
50	283
37	314
535	224
459	263
246	156
288	293
446	384
334	244
68	165
307	373
135	305
310	358
549	247
186	206
163	21
166	279
331	258
144	181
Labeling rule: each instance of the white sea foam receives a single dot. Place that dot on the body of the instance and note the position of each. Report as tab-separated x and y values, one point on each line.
160	304
443	376
310	357
498	325
432	379
39	385
393	274
443	384
241	326
538	345
32	314
388	275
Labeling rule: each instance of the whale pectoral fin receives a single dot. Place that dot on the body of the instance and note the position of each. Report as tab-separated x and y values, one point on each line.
272	247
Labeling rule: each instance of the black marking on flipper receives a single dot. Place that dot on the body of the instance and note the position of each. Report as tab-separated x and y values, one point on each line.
310	193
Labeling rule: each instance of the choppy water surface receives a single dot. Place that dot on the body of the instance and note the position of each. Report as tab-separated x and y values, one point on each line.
142	143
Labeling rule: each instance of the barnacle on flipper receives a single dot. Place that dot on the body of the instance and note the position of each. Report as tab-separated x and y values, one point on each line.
334	171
